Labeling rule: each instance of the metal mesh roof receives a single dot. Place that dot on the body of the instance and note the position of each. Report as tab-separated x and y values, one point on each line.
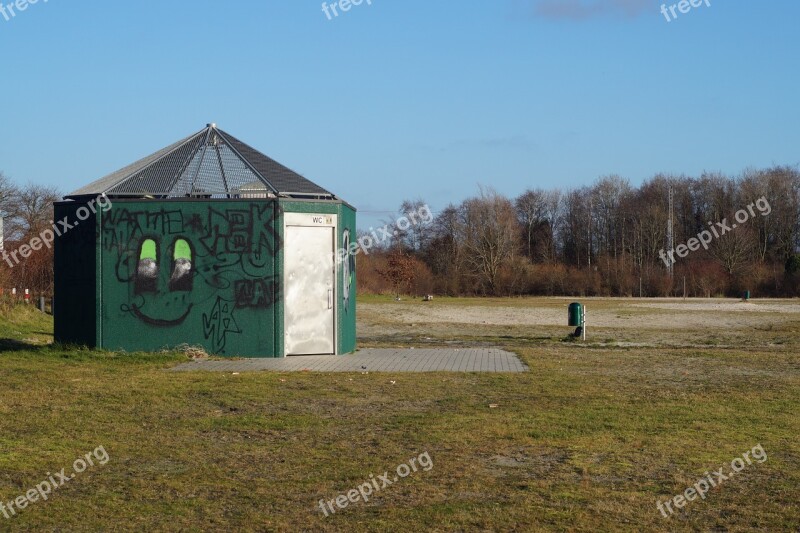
210	163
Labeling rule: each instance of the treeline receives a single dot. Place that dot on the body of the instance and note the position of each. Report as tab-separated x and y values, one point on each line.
731	234
607	239
26	211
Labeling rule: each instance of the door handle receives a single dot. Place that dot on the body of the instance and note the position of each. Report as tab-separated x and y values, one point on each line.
330	298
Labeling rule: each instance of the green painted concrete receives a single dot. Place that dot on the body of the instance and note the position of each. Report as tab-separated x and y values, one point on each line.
154	274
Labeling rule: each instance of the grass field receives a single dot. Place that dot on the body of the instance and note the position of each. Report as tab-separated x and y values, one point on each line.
589	440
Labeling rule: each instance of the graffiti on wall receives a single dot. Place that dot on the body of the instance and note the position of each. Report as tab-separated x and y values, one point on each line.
348	270
219	323
176	260
256	293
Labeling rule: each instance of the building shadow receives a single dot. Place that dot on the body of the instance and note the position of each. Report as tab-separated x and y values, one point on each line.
14	345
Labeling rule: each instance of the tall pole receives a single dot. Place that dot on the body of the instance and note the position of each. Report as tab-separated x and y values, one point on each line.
641	255
589	231
670	228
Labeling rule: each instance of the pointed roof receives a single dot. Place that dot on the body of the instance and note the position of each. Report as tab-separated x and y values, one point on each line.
210	163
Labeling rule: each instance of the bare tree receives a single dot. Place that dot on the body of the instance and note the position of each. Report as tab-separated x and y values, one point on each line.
444	252
735	249
576	227
489	229
608	195
777	232
554	214
419	231
8	196
531	208
30	209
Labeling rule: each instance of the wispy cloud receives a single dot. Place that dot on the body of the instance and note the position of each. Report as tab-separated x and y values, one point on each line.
584	9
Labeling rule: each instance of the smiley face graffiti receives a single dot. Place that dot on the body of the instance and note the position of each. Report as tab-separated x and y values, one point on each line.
163	295
196	268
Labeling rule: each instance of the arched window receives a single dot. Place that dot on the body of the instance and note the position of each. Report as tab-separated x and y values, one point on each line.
181	277
147	269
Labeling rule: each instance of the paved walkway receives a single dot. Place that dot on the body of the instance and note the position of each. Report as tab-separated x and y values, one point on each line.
375	360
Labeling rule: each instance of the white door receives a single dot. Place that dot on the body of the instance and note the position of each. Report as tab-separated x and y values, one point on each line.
309	298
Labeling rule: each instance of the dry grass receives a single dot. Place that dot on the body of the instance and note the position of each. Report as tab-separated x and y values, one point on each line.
192	352
586	441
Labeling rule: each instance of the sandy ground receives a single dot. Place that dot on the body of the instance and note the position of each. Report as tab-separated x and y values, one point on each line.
606	313
770	306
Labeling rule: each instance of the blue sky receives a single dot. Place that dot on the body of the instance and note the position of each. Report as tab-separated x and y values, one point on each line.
406	99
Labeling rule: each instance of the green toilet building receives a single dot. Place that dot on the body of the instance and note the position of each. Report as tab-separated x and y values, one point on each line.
209	243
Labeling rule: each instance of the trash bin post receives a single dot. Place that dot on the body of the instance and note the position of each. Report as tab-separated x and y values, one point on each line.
577	319
583	323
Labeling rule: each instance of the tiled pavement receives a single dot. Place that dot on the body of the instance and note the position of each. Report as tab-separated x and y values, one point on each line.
375	360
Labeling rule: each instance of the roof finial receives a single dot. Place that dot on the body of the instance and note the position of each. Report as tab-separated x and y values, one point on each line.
211	125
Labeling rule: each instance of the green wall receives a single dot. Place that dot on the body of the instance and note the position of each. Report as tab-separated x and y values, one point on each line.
347	281
148	275
227	301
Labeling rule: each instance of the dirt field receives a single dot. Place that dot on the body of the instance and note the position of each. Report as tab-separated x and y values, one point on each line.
611	321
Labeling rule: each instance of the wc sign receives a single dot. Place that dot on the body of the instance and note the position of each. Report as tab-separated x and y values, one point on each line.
322	220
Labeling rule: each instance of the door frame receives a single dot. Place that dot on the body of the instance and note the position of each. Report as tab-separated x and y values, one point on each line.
314	220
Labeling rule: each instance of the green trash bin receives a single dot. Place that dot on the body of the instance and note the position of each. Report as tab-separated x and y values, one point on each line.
575	314
746	296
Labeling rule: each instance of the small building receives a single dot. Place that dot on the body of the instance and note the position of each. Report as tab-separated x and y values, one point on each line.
209	243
